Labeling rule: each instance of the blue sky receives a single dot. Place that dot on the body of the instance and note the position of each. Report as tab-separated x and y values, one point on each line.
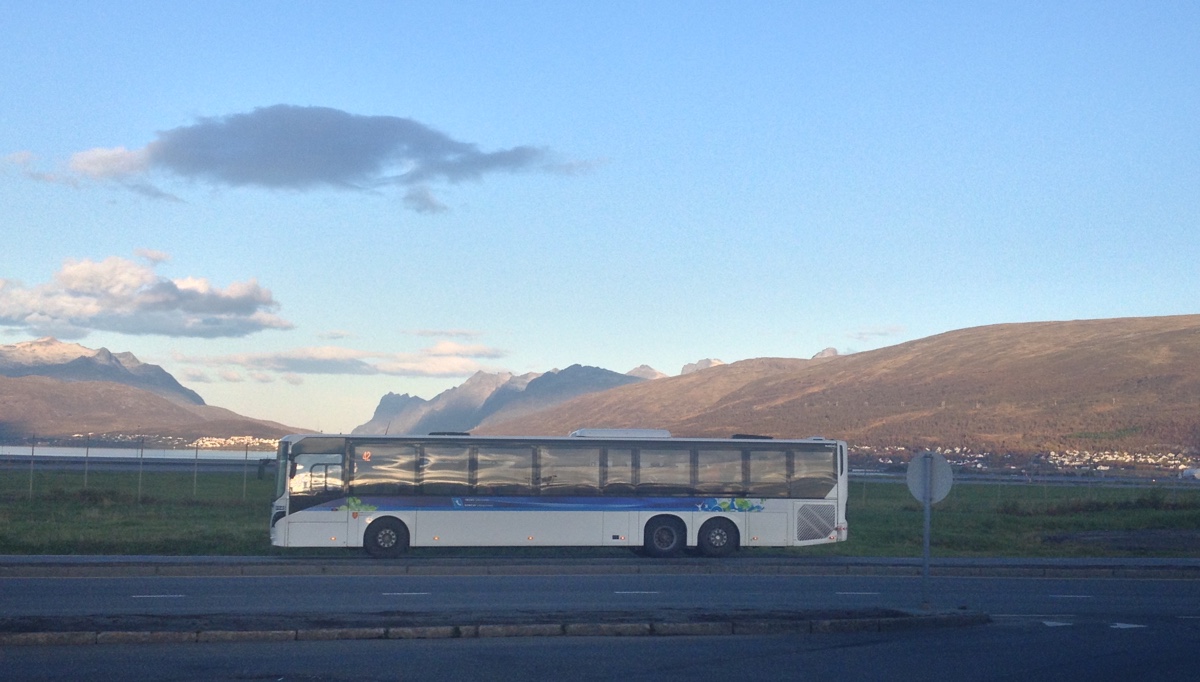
298	207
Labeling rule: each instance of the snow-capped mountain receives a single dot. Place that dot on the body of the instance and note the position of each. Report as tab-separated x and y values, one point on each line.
49	357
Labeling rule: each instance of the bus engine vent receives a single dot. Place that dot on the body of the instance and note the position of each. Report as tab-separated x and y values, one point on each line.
815	521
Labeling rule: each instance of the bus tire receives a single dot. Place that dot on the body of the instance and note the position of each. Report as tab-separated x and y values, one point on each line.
665	536
386	537
718	537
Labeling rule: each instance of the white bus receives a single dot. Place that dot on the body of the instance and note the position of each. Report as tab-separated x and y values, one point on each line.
640	489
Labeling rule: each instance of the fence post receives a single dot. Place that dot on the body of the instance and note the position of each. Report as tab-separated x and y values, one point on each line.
141	461
87	451
195	470
32	446
245	471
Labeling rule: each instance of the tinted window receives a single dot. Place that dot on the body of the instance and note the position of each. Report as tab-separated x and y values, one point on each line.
814	474
384	469
665	472
503	471
445	470
569	471
316	474
768	474
719	472
618	473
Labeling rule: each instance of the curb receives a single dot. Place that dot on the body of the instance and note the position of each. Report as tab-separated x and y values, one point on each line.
605	629
1181	570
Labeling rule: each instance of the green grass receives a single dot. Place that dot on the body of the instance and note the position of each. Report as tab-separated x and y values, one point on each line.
1014	520
226	514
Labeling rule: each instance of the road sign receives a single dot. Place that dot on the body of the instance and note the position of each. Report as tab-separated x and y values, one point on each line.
929	480
929	470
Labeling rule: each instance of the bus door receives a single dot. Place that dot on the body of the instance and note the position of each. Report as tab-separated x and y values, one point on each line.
317	509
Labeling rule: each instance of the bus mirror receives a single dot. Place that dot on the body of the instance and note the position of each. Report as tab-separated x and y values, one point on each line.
292	471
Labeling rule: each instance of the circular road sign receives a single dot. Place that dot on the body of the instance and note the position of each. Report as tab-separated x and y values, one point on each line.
919	476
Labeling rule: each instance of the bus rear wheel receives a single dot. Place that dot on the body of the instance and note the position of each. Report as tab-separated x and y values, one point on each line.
665	536
386	537
718	537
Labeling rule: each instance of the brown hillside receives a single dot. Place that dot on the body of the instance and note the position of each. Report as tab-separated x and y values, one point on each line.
50	408
1093	384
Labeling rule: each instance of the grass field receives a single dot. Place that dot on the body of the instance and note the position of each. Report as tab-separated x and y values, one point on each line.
226	514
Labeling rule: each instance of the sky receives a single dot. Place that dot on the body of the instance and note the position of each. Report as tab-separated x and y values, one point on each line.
296	208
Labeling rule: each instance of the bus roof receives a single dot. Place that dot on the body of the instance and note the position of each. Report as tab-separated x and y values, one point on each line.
648	435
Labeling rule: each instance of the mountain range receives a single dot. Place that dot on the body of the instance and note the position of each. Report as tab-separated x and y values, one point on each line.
52	389
489	398
1130	384
49	357
1127	384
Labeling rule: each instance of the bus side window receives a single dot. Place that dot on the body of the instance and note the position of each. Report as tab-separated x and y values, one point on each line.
665	472
617	475
768	473
814	474
503	471
316	474
569	471
719	472
383	469
445	470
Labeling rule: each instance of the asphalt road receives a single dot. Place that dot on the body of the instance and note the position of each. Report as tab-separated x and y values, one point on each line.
446	599
1054	623
1025	650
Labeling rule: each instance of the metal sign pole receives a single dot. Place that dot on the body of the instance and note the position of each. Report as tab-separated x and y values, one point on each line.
929	480
928	457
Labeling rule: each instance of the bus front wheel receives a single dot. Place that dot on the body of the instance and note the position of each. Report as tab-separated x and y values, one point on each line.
718	537
386	537
665	536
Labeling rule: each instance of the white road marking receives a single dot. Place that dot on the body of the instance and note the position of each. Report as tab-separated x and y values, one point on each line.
1125	626
1071	596
404	594
1055	623
634	592
158	596
858	593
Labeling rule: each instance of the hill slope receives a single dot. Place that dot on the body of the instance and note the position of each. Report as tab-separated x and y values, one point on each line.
1123	383
52	408
49	357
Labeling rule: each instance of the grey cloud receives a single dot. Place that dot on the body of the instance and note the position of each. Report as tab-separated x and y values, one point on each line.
295	147
420	199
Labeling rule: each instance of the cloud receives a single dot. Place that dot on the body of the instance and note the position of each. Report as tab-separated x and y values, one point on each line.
877	333
152	255
197	376
119	295
24	161
109	163
450	333
421	200
302	148
454	349
443	359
